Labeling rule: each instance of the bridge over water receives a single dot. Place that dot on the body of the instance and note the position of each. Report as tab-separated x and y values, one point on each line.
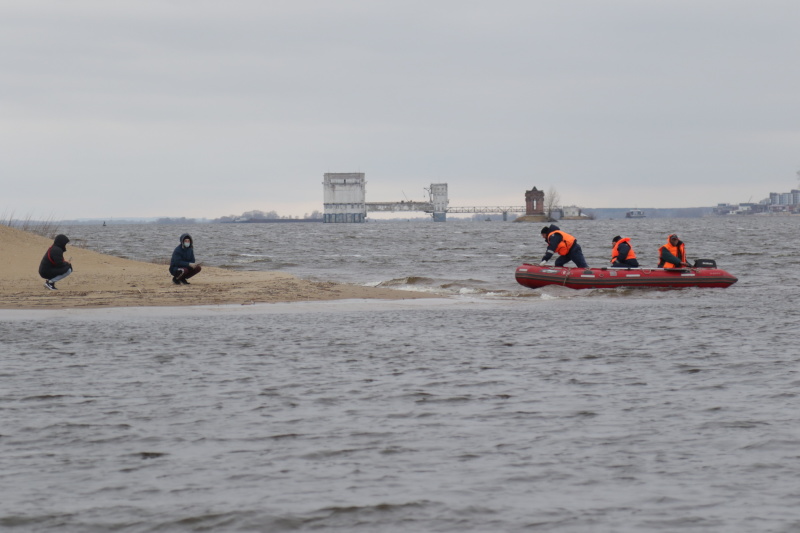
427	207
345	201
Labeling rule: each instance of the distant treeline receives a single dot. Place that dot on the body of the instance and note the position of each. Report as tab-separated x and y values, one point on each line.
181	220
271	220
269	216
651	212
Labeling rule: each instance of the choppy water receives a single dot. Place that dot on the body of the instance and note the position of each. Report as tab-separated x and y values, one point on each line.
497	409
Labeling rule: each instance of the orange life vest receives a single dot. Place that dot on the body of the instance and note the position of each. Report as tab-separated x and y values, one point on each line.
615	251
678	251
566	243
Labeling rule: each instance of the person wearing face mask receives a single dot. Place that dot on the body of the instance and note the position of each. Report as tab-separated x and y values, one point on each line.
183	265
53	266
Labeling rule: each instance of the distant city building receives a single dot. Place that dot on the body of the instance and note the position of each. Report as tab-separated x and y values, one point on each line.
777	203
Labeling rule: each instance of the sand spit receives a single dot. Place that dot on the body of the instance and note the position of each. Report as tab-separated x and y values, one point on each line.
102	280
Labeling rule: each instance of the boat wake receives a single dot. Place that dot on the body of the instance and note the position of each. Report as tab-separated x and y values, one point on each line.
451	287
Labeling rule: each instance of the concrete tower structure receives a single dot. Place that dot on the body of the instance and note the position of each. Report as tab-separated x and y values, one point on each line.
439	201
344	197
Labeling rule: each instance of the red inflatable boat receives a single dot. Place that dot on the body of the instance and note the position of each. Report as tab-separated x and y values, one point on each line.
535	276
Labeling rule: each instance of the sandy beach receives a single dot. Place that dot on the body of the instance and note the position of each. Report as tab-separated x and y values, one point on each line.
101	280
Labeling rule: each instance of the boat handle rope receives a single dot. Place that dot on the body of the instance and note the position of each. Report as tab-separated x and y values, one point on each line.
569	271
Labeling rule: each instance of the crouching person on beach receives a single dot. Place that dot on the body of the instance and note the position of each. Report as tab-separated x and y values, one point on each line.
183	265
53	266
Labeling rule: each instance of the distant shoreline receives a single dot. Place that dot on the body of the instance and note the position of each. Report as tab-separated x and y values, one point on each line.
601	213
272	221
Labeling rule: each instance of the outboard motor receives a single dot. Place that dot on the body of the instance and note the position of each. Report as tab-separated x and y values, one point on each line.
705	263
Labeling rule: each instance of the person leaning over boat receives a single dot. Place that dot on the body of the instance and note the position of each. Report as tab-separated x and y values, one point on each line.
672	254
622	254
182	266
53	266
563	244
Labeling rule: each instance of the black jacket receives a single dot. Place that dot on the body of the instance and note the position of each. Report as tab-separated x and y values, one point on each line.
53	263
182	257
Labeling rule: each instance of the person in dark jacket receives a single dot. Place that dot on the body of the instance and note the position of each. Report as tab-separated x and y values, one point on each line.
53	266
183	265
563	244
672	254
622	255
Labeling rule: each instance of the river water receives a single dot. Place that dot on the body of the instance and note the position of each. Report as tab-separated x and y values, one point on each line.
494	408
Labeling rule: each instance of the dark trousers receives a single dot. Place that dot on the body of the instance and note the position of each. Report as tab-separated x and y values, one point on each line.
575	255
628	263
186	272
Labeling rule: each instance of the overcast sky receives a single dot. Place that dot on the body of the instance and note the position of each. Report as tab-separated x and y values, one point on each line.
207	108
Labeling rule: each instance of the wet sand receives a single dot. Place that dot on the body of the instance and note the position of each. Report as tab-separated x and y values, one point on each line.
101	280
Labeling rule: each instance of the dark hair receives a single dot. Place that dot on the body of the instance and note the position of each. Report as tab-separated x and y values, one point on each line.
615	239
545	230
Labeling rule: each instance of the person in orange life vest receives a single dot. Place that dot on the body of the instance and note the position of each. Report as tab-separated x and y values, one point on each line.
563	244
672	254
622	255
53	266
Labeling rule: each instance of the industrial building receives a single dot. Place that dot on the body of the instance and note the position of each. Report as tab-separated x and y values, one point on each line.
344	197
439	201
345	202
